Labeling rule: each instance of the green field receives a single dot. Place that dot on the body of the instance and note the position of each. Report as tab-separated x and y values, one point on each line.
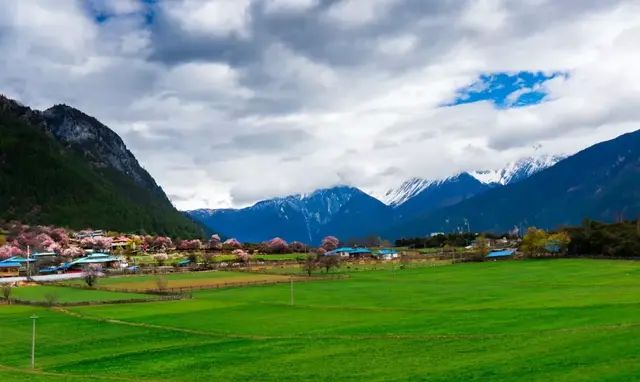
183	280
552	320
71	295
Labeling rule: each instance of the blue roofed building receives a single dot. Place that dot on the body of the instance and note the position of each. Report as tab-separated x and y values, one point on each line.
387	254
349	252
100	259
501	254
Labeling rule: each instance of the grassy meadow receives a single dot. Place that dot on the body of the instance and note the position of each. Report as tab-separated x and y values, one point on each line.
551	320
183	280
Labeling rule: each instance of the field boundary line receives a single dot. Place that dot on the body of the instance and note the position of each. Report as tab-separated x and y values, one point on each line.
79	376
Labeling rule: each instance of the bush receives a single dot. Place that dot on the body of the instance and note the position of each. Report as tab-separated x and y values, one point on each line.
162	283
51	298
6	292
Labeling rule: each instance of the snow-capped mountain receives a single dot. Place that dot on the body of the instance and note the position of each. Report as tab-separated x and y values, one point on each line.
511	173
408	189
342	210
517	171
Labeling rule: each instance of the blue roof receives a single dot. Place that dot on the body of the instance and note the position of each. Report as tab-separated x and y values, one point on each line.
349	250
343	249
387	251
17	259
9	264
502	253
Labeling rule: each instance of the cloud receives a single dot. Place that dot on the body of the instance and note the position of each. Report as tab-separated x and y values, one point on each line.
220	18
227	102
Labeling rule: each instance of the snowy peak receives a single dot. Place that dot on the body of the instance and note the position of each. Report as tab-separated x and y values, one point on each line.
513	172
516	171
406	191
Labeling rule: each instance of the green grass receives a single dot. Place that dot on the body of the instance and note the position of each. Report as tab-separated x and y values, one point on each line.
141	283
68	295
561	320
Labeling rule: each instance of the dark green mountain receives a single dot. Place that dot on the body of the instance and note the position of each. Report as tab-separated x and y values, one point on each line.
601	182
65	168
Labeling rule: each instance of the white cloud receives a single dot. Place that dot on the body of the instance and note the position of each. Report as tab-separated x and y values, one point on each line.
357	13
397	45
287	6
218	18
295	103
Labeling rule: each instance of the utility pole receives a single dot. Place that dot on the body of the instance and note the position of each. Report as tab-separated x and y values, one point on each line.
291	299
28	265
33	342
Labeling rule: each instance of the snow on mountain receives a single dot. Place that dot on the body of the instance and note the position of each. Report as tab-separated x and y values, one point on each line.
407	190
516	171
513	172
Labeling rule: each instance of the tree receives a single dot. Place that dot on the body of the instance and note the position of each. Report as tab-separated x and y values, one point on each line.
329	261
482	248
91	275
534	242
329	243
310	264
207	257
297	246
231	244
72	252
558	242
277	245
6	292
51	298
10	250
214	242
162	283
102	243
160	258
241	255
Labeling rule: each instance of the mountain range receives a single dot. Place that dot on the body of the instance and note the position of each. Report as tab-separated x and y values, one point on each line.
63	167
350	213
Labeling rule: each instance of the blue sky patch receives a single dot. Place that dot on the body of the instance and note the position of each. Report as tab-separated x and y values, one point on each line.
506	89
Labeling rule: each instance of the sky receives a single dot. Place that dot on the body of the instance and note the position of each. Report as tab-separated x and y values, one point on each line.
227	102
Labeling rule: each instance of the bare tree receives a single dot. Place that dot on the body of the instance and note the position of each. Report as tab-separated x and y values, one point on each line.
90	276
6	292
162	283
310	264
329	261
51	298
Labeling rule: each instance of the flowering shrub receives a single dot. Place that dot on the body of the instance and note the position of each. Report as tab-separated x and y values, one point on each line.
296	246
72	252
214	242
10	250
241	255
329	243
277	245
231	244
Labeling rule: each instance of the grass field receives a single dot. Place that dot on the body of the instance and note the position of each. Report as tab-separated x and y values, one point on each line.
556	320
65	295
184	280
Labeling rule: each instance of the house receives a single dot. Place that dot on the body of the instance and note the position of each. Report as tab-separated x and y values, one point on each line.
387	254
13	265
88	233
349	252
501	254
9	268
99	259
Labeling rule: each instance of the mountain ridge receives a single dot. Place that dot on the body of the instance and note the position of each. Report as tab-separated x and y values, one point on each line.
46	177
